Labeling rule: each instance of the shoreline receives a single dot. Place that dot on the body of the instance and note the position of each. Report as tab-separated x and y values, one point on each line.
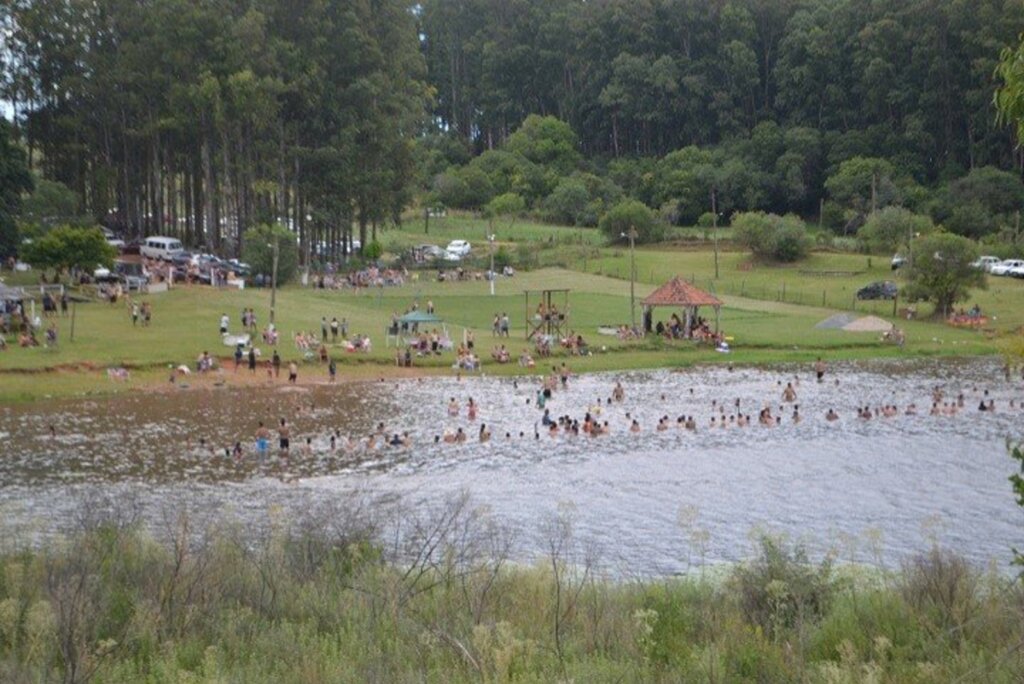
91	380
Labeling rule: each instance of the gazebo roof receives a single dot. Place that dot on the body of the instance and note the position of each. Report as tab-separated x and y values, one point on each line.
678	292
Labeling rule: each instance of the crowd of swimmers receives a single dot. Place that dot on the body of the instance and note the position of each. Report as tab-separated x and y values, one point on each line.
599	417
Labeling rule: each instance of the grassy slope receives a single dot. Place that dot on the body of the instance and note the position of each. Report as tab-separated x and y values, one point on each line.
763	328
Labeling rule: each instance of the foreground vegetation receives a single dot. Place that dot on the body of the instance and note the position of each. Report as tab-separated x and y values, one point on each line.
321	599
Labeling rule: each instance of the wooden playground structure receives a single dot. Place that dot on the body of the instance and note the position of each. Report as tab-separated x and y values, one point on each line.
545	317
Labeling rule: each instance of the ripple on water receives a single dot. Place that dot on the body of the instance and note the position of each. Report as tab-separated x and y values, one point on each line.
892	478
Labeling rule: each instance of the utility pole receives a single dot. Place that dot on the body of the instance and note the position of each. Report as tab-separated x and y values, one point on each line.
874	191
714	225
494	276
632	235
273	278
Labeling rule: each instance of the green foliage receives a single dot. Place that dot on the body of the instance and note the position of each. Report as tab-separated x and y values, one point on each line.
631	215
567	203
1009	96
780	588
51	202
66	247
502	258
942	589
864	184
1017	480
15	179
508	204
977	204
771	237
546	141
373	251
258	251
940	271
891	229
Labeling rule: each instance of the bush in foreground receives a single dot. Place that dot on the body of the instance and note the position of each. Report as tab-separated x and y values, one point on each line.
323	598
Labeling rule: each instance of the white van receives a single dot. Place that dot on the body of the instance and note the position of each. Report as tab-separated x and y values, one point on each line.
158	247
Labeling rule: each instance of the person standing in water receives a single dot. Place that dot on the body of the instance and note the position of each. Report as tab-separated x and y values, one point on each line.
284	437
262	440
819	369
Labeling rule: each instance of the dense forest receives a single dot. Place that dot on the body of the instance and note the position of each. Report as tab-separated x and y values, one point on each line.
203	118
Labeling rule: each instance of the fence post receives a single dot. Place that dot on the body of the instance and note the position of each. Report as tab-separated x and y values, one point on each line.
783	290
822	298
743	287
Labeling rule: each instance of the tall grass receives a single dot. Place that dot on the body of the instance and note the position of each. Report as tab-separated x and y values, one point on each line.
371	592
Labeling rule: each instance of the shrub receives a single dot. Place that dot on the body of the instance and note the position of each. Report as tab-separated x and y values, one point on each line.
502	258
706	220
891	228
942	588
780	588
772	237
631	214
373	251
567	203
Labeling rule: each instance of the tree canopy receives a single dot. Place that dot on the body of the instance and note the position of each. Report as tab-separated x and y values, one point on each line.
259	251
201	119
941	270
15	179
69	247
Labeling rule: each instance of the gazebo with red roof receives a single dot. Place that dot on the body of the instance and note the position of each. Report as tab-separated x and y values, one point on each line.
679	293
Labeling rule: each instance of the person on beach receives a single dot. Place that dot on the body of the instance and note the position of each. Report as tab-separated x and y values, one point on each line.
276	363
332	370
293	372
224	321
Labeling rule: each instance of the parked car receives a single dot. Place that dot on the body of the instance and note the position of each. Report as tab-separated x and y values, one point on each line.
985	263
882	289
452	256
160	247
102	273
460	247
1016	272
183	259
897	261
239	267
116	243
1003	267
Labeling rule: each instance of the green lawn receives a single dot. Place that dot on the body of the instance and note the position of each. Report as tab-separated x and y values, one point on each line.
186	319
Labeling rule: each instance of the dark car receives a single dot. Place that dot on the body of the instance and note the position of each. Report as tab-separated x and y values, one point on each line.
183	259
882	289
